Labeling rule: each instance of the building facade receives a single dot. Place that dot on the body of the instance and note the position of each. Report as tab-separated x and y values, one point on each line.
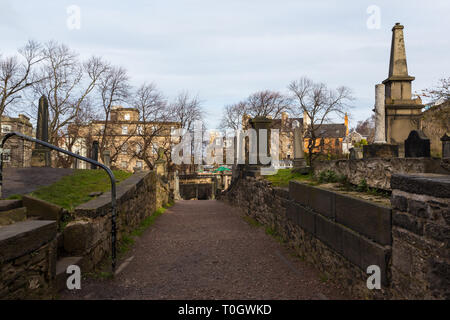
17	152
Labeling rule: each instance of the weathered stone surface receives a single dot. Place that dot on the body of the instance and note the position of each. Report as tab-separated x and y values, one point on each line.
13	215
377	172
319	200
328	232
430	184
24	237
366	218
42	209
6	205
380	151
407	222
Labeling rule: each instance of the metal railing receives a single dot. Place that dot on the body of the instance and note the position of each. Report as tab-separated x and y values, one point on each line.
108	171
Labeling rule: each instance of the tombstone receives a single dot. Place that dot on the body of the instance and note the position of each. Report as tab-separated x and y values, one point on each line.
356	153
417	145
445	146
40	156
299	155
107	158
160	164
94	155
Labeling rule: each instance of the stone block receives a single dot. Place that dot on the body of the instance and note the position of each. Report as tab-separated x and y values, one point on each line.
369	219
6	205
301	216
418	208
322	201
399	203
437	232
23	237
380	151
375	254
435	185
328	232
42	209
299	192
408	222
79	237
13	215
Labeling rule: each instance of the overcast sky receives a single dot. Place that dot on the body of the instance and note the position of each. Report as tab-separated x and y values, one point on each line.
225	50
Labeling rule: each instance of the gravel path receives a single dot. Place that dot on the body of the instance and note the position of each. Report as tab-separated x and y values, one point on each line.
205	250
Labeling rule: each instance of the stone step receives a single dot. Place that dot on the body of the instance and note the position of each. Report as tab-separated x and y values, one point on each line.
61	267
12	216
6	205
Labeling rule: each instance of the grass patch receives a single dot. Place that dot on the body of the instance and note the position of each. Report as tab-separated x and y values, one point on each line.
283	176
272	232
147	222
15	197
252	221
73	190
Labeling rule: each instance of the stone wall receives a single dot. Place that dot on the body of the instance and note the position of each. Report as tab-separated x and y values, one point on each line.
89	235
342	235
421	235
377	172
28	260
320	226
435	123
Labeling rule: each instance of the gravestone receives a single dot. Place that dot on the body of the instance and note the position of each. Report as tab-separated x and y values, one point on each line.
445	146
40	156
356	153
94	155
299	154
380	151
417	145
107	158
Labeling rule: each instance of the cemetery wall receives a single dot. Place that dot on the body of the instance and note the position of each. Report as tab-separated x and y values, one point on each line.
28	260
421	234
319	231
377	172
89	235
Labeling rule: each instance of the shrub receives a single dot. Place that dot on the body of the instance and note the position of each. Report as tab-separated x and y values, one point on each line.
328	176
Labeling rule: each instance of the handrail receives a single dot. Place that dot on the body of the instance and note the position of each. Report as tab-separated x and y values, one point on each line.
108	171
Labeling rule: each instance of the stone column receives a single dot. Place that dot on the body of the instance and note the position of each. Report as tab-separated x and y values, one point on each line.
299	155
380	119
94	155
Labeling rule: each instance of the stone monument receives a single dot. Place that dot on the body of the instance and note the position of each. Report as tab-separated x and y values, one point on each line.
380	149
417	145
94	155
40	156
107	158
402	112
160	164
299	154
259	123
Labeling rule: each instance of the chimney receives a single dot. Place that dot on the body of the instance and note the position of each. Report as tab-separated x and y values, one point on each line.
346	124
284	118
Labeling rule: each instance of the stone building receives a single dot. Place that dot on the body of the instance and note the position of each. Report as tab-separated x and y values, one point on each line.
17	152
124	145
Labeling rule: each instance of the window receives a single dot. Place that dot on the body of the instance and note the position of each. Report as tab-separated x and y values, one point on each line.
102	129
6	128
124	164
6	154
124	129
140	130
124	148
155	148
126	116
139	164
138	148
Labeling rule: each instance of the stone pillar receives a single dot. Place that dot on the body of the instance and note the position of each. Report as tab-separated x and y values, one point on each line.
299	154
40	156
380	119
260	123
94	155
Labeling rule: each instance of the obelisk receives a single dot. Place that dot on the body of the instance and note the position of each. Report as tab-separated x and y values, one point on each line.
40	156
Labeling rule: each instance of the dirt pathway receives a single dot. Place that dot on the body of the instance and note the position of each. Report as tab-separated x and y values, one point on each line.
205	250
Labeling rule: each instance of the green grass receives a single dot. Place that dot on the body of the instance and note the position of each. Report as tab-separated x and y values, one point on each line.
73	190
147	222
283	176
252	221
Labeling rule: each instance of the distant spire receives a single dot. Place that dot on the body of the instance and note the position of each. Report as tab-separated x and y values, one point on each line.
398	66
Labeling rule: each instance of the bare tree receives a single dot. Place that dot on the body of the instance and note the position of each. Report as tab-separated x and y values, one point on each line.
67	84
232	116
113	88
186	110
319	103
441	92
153	128
267	103
18	73
367	128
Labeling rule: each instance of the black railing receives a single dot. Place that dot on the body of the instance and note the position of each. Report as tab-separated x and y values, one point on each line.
108	171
